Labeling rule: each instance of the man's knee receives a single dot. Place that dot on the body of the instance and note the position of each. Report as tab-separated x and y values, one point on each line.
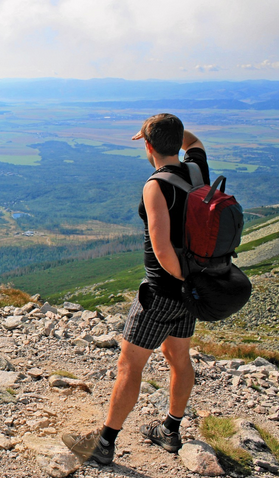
132	358
177	353
182	365
124	365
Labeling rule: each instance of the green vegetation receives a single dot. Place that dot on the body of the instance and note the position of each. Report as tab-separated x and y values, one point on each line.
271	441
74	268
262	267
65	166
154	384
218	166
26	160
85	187
260	214
254	223
64	373
256	387
22	258
248	246
224	350
217	432
112	273
129	152
79	176
262	224
11	391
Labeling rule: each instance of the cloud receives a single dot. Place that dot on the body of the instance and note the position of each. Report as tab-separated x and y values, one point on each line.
131	39
269	64
247	67
207	68
264	65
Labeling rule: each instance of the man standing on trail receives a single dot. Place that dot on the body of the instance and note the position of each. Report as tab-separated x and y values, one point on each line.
158	316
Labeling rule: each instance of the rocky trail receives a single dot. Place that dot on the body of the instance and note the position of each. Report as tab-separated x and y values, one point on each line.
38	343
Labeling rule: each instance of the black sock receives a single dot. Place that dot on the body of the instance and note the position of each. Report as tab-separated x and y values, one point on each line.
109	435
172	423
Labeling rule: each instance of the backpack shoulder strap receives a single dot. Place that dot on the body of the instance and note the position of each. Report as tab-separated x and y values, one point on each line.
195	174
175	180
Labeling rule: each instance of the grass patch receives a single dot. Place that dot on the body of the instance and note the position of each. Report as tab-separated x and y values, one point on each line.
64	373
265	224
271	441
11	391
15	297
217	432
218	166
154	384
259	216
123	272
21	160
250	340
229	351
262	267
257	242
256	387
91	302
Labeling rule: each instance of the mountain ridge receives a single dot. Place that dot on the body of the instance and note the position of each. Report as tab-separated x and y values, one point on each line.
117	88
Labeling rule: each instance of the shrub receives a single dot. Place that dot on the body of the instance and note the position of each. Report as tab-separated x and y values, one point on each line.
15	297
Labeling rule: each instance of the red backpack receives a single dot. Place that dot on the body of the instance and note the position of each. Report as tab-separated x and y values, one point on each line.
213	223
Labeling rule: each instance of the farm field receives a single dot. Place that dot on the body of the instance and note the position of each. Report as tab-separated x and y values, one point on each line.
24	126
70	175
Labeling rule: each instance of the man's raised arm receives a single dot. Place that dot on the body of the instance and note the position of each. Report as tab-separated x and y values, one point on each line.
191	141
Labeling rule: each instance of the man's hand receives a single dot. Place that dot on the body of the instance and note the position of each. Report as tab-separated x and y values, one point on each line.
139	135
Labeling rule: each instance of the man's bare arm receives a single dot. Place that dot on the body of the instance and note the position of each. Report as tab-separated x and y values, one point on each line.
159	228
191	141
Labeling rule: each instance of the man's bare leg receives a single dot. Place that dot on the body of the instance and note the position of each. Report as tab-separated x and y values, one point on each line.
126	389
176	352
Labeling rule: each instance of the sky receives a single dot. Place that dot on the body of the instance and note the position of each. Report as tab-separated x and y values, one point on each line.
185	40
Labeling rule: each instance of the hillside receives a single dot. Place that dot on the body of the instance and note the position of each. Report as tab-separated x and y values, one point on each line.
261	242
98	276
58	366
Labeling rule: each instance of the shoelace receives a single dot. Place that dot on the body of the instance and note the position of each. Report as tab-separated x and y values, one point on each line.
154	424
87	437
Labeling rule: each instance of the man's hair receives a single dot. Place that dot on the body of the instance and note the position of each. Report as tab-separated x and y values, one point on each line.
164	132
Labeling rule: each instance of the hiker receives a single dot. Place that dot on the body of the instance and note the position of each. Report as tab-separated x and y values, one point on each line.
158	316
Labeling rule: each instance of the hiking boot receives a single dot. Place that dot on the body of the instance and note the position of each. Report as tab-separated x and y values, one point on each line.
89	447
160	435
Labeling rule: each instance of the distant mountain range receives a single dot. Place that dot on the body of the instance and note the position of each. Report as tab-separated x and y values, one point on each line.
259	94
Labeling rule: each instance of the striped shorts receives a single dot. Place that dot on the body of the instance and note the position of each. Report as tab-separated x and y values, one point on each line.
152	318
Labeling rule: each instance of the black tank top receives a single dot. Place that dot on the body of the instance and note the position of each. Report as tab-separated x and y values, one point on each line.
158	278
